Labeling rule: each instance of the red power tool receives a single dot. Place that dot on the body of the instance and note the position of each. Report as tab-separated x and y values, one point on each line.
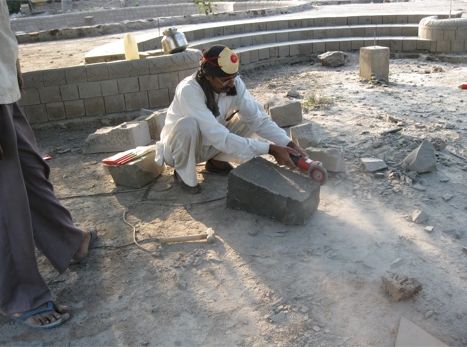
313	168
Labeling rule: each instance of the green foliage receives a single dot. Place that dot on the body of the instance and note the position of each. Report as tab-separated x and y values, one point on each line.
317	101
204	6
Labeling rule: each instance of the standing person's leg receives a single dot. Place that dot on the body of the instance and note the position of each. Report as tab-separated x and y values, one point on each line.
53	229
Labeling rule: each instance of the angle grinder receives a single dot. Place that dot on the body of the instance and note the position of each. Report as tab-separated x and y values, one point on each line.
313	168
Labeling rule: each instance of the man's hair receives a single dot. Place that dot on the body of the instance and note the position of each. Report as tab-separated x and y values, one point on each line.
210	67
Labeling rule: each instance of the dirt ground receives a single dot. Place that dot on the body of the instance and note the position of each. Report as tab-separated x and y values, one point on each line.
263	283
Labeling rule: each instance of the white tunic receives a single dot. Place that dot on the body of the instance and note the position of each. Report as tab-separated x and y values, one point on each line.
9	89
190	101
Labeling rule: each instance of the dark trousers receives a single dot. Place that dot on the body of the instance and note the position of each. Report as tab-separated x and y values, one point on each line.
30	215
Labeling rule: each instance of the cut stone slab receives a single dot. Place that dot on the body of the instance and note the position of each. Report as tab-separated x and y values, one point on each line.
374	63
411	335
261	187
419	217
136	173
119	138
284	112
422	159
332	158
373	164
155	120
400	287
333	58
305	135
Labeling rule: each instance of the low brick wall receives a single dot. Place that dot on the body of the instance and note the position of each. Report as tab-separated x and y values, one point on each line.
103	89
450	34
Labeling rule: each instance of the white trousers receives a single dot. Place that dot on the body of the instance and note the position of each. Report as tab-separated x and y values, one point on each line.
184	147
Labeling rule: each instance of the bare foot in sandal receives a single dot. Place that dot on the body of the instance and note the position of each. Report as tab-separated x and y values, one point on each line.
89	237
46	316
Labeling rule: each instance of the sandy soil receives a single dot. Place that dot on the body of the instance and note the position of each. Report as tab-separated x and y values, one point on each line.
263	283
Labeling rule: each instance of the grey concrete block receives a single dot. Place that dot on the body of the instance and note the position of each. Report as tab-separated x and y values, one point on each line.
148	82
284	51
114	103
55	77
74	108
118	69
89	90
36	114
373	164
136	173
49	94
374	63
75	74
284	112
261	187
55	110
167	80
120	138
128	85
97	72
158	98
30	97
305	135
136	101
332	158
155	121
69	92
33	79
94	106
109	87
422	159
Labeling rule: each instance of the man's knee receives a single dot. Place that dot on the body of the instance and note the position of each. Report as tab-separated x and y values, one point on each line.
186	127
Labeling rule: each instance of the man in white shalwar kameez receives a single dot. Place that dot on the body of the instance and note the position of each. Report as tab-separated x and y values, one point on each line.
212	118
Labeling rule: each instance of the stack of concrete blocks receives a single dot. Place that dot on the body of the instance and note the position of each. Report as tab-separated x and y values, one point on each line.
374	63
97	90
306	136
284	111
261	187
136	173
448	35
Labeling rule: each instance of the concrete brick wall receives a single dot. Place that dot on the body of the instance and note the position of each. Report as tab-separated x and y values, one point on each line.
107	88
449	35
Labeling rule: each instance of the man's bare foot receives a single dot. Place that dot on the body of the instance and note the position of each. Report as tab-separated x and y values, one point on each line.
89	237
48	315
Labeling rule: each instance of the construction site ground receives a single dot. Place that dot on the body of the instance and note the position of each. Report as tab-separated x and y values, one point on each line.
263	283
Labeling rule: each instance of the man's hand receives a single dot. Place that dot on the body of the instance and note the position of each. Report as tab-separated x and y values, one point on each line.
282	155
297	148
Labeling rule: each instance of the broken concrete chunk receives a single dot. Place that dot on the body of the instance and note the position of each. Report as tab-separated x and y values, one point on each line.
429	228
373	164
116	139
305	135
293	94
446	197
400	287
136	173
332	158
422	159
261	187
419	217
333	58
155	120
284	112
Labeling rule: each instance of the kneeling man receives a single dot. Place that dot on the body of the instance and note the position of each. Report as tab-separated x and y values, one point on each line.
212	118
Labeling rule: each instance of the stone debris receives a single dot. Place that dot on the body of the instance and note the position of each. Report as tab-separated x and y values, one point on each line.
305	135
155	121
333	58
119	138
293	94
429	228
292	197
446	197
332	158
419	217
422	159
419	187
284	112
400	287
373	164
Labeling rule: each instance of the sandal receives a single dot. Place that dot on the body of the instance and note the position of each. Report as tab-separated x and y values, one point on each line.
218	167
185	187
48	307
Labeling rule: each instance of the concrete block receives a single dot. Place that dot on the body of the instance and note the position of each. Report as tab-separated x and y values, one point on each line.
109	87
69	92
319	47
128	85
138	67
374	63
167	80
457	46
273	52
254	57
49	94
261	187
136	173
373	164
89	90
74	108
30	97
136	101
332	158
294	51
409	45
284	51
305	135
55	77
94	106
75	74
422	159
114	103
97	72
155	121
118	69
120	138
331	45
33	79
36	114
345	46
148	82
158	98
263	54
443	47
284	112
55	110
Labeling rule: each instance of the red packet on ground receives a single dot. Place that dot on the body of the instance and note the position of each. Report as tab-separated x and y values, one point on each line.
127	156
